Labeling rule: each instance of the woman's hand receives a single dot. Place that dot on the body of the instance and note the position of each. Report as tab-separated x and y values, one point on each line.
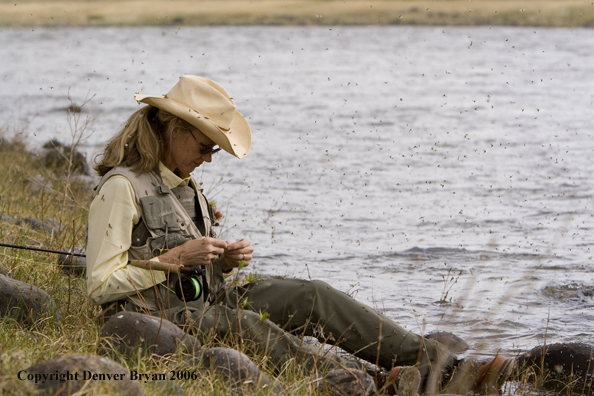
195	252
237	253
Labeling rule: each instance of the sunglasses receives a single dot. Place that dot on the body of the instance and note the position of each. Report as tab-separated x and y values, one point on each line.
205	149
208	150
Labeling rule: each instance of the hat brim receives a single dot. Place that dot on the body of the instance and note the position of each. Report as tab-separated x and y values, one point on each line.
236	141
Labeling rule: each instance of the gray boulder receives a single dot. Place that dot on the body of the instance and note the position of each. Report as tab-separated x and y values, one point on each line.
127	331
566	367
75	265
31	222
25	302
346	382
454	343
57	155
236	368
38	185
76	370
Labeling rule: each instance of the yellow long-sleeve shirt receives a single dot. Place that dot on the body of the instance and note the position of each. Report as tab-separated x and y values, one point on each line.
112	216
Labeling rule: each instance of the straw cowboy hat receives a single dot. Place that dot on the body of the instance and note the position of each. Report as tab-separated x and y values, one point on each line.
206	105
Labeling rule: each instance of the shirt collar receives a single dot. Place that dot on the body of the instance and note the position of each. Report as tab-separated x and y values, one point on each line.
170	179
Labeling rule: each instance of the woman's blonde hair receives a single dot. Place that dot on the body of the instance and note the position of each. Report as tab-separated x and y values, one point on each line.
140	144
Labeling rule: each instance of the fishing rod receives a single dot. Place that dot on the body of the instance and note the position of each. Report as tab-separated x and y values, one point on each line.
41	250
191	286
146	264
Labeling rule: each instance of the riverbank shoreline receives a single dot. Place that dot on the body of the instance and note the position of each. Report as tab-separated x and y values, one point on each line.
552	13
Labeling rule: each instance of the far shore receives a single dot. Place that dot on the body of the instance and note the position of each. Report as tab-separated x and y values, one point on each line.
33	13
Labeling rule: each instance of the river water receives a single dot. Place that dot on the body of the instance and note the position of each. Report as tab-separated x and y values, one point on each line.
405	165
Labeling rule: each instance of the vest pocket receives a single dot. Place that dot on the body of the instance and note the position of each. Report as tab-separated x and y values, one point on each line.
159	213
164	243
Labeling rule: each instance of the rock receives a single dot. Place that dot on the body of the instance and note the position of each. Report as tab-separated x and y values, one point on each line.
404	382
24	301
38	225
237	368
38	185
55	223
82	364
83	184
31	222
566	367
74	108
7	218
13	144
128	331
343	382
4	271
56	155
74	265
454	343
84	179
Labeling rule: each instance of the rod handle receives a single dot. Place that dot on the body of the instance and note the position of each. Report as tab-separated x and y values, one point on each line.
157	266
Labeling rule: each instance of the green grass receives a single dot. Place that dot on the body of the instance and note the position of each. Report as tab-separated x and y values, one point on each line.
21	345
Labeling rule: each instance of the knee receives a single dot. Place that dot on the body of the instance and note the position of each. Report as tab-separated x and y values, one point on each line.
313	288
310	293
319	285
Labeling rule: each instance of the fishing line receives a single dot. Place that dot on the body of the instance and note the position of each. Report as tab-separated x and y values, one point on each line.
27	260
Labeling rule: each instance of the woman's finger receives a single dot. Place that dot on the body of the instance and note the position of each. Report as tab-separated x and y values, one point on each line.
241	244
216	242
240	257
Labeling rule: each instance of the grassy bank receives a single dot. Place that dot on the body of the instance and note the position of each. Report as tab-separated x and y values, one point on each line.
21	346
65	201
553	13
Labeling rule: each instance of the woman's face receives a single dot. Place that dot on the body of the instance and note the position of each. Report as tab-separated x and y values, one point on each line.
189	149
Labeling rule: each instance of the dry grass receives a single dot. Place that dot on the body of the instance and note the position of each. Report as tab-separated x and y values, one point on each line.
78	331
23	346
296	12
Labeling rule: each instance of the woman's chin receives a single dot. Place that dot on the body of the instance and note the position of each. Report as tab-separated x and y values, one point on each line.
190	168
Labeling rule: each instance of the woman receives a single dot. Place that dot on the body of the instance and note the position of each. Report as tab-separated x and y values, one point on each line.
149	202
149	207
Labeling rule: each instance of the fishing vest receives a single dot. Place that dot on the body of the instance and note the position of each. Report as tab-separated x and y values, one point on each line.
169	217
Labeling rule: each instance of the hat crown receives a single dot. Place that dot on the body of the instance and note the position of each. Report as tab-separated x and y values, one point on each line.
206	105
205	97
